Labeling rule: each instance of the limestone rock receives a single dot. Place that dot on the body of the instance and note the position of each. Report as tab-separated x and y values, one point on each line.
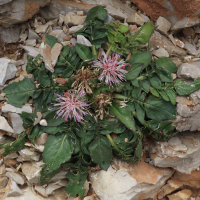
42	28
181	195
172	185
10	108
129	181
73	19
32	51
163	25
181	152
3	182
7	69
15	177
4	125
135	18
82	40
12	189
188	71
55	52
41	139
31	42
32	171
9	35
27	155
59	34
191	49
157	40
161	52
115	8
73	29
17	123
32	34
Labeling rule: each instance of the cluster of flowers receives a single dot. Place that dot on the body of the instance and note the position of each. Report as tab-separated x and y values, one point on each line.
71	105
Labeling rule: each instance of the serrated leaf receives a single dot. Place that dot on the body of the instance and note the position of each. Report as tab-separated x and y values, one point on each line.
19	92
101	152
75	185
123	28
123	115
184	89
58	149
12	147
157	108
110	37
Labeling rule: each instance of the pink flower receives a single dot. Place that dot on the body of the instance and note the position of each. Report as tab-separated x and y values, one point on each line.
113	69
71	106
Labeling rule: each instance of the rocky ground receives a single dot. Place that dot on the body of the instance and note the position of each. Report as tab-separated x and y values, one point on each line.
168	169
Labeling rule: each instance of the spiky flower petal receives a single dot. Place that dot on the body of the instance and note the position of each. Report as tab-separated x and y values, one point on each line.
113	69
71	106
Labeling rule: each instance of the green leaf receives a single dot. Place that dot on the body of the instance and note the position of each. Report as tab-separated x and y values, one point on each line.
184	89
110	37
119	37
51	40
75	185
123	28
33	134
44	79
138	151
167	64
155	81
58	149
143	57
12	147
157	108
136	92
172	95
52	120
154	92
146	85
28	119
165	76
123	115
101	152
134	71
83	52
164	95
98	12
140	112
19	92
143	35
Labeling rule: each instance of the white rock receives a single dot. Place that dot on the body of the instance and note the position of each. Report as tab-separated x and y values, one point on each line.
61	19
55	52
82	40
31	42
190	48
73	29
43	122
59	34
12	189
72	18
59	176
3	182
73	41
32	34
2	169
32	51
51	187
188	71
129	181
23	37
27	155
41	139
135	18
19	62
161	52
32	171
10	108
42	28
15	177
65	43
7	69
17	123
5	126
11	156
145	18
40	190
163	25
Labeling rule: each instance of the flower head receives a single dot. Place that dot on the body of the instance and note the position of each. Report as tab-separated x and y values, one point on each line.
113	69
70	105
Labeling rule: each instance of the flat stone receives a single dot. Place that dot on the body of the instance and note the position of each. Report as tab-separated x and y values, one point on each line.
191	49
32	171
183	157
51	187
163	25
27	155
15	177
161	52
157	40
32	51
55	52
40	190
8	70
31	42
12	189
17	123
4	125
23	37
32	34
181	195
82	40
10	108
9	35
135	18
3	182
41	139
179	43
128	181
42	28
188	71
74	29
184	110
59	176
73	19
59	34
145	18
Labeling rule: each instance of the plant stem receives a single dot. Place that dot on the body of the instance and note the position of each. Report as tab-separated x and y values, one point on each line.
109	49
119	96
112	142
94	52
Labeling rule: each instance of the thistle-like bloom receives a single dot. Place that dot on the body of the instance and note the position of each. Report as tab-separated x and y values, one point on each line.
113	69
70	105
